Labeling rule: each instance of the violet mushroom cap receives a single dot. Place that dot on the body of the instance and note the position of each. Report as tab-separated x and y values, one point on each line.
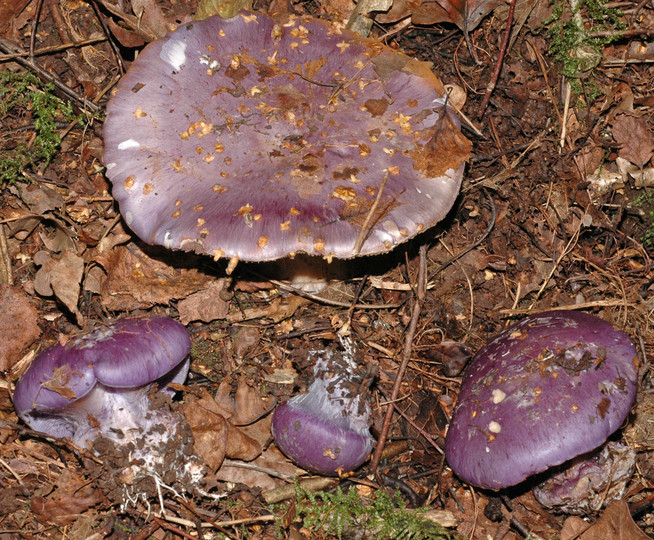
542	392
105	374
326	430
251	139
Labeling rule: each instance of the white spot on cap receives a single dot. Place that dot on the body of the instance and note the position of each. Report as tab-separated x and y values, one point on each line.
174	52
129	217
494	427
110	166
129	143
498	395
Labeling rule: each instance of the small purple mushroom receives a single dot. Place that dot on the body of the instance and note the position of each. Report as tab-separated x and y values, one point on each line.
326	430
550	388
99	382
255	139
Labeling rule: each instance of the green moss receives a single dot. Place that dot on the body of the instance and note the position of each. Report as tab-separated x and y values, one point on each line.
23	95
572	45
383	516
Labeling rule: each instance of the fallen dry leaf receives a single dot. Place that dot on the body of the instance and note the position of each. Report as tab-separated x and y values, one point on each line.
466	14
279	309
635	139
272	459
65	279
73	495
60	276
215	436
136	280
615	523
205	305
18	322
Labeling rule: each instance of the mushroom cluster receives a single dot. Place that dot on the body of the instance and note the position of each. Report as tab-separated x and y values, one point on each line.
253	139
100	386
326	430
552	387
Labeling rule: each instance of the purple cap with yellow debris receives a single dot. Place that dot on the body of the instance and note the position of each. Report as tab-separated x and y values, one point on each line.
544	391
254	139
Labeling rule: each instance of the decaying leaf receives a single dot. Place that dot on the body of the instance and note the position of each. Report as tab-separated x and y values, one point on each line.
60	276
136	280
225	8
18	322
205	305
214	434
361	20
466	14
615	523
73	495
635	139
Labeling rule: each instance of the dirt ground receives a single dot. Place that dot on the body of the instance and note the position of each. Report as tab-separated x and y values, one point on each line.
555	211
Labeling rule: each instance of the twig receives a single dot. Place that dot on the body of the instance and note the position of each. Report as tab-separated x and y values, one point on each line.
7	47
500	60
406	355
54	48
541	63
315	298
566	110
363	233
415	426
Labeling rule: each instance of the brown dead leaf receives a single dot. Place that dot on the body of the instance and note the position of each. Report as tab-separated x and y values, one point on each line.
205	305
39	198
447	149
615	523
72	496
635	139
466	14
215	436
9	10
151	18
279	309
65	280
135	280
244	408
127	38
60	276
18	322
272	459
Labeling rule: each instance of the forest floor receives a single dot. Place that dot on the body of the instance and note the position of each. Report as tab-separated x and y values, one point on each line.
556	210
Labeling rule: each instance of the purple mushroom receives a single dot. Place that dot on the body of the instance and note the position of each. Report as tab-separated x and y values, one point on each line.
255	139
550	388
99	382
326	430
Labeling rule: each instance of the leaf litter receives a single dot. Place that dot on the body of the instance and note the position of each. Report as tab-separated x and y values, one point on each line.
573	214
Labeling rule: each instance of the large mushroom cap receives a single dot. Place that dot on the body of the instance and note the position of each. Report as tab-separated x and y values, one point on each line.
254	139
545	390
124	354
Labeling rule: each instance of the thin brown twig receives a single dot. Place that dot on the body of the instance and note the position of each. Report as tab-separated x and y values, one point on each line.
327	301
7	47
406	355
500	60
422	432
541	63
363	233
53	49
